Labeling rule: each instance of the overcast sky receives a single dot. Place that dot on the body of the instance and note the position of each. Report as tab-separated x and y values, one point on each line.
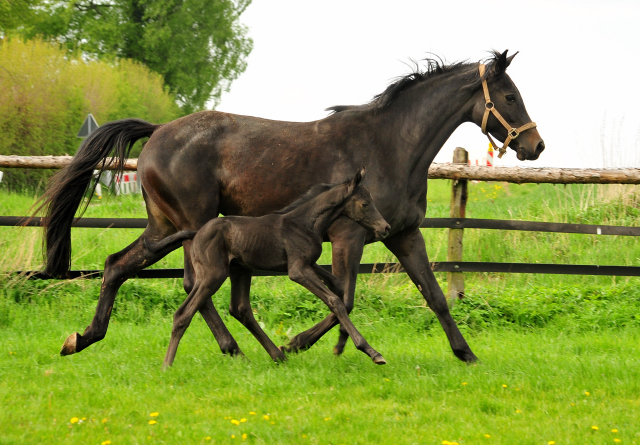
577	69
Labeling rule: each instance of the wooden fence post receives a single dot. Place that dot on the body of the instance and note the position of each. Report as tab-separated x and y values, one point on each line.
455	280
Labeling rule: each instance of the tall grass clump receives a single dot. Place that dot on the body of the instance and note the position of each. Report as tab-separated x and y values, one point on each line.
46	93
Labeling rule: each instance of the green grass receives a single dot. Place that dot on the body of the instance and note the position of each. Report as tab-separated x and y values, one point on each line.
550	339
547	373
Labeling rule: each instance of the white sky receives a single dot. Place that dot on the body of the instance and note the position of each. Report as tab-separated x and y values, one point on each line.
578	67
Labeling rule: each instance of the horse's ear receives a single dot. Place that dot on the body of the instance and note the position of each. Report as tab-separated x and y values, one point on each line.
503	62
357	179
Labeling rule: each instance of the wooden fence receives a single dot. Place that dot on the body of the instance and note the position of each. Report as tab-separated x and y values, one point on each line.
460	173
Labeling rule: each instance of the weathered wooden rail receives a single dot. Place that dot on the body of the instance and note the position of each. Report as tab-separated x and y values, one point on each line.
459	172
515	175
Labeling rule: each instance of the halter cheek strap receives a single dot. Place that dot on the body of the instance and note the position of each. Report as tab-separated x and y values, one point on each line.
489	107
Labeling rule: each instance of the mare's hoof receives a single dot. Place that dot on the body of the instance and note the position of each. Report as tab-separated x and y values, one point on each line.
288	349
69	346
337	351
379	360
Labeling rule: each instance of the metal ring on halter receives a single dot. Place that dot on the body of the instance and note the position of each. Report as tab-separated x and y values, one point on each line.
489	105
514	133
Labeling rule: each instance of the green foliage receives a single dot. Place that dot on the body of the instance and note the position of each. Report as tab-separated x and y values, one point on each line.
198	46
45	95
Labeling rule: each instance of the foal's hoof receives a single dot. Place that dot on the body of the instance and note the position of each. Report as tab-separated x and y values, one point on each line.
337	351
379	360
288	349
69	346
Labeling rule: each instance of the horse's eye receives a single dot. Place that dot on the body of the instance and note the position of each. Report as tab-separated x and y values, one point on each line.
510	97
365	204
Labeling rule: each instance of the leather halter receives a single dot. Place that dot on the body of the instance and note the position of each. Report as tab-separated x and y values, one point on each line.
512	133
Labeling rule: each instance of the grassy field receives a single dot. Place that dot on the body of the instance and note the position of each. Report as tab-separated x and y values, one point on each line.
559	353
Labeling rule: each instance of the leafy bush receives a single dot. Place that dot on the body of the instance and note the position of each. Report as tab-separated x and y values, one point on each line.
46	93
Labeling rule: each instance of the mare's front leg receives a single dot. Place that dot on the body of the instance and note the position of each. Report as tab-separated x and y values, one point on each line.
306	276
227	343
409	248
347	242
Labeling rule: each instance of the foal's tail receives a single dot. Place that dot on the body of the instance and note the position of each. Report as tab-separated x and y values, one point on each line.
67	188
170	243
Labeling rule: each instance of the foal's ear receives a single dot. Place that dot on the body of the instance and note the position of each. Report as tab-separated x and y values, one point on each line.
357	179
503	62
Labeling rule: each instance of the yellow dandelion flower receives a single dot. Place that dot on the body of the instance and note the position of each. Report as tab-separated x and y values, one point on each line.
595	428
587	393
304	435
504	386
327	418
616	440
154	414
614	430
207	438
265	417
152	422
518	411
84	418
252	413
244	436
273	423
106	442
551	442
387	380
74	420
104	420
235	422
233	436
243	420
487	436
464	383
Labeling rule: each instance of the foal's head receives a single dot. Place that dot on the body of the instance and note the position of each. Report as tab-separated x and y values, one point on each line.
359	207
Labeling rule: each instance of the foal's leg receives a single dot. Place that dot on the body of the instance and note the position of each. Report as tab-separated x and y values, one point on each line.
305	276
118	268
201	292
240	308
227	343
347	242
410	250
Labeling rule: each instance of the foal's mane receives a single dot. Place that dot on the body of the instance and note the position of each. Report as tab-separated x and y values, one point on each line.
435	67
308	196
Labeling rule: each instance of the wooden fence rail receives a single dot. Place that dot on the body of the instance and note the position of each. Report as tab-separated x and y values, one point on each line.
515	175
459	172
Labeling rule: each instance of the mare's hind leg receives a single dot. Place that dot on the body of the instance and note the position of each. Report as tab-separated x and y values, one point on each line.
202	291
227	343
240	308
118	268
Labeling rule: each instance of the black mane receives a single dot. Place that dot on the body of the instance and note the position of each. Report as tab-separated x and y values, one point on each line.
434	68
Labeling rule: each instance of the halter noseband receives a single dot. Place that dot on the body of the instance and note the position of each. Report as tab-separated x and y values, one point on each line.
512	133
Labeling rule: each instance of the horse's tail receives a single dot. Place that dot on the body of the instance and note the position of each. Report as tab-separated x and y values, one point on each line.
67	188
170	243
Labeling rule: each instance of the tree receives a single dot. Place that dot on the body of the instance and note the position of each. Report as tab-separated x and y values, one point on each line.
198	46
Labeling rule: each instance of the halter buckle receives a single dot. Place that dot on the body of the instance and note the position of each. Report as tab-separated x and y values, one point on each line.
489	105
514	133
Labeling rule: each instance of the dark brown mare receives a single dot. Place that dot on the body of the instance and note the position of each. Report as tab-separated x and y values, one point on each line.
286	241
211	163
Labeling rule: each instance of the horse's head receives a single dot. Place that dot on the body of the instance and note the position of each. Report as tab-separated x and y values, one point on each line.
360	208
499	110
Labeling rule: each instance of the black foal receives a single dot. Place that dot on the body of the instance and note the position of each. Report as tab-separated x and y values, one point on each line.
286	241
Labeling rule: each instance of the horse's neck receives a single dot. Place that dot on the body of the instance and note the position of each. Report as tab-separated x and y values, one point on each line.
422	119
319	213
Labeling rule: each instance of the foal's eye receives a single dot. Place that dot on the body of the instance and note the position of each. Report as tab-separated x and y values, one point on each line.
365	204
510	97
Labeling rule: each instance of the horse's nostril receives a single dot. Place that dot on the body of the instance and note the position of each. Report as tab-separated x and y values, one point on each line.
387	229
540	147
